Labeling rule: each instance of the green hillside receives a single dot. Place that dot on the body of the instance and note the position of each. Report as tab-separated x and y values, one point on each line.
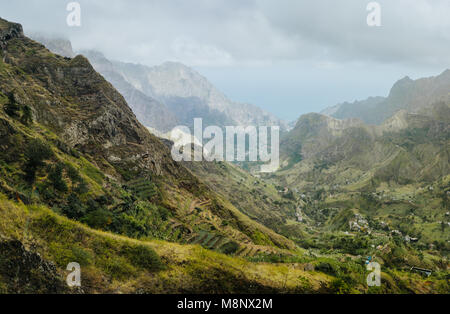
81	180
71	142
368	190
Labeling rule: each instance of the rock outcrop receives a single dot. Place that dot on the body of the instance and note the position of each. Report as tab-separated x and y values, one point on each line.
23	271
189	95
9	31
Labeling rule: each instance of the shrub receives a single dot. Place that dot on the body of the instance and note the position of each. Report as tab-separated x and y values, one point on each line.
56	179
229	248
103	200
81	256
339	286
289	196
11	107
119	268
35	154
328	268
64	254
98	219
82	187
72	173
27	115
142	219
144	257
74	208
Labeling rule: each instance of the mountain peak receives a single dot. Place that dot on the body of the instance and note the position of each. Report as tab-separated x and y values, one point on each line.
180	69
401	86
9	31
446	73
174	64
94	55
56	44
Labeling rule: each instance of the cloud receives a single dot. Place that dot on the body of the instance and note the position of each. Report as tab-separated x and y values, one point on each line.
245	32
412	31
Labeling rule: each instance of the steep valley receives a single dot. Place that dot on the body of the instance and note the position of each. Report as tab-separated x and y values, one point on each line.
83	180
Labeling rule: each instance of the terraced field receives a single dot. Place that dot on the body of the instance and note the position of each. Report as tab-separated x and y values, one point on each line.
143	188
201	233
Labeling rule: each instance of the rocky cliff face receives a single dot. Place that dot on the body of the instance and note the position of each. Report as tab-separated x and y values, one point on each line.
78	113
149	111
314	132
9	31
23	271
168	95
191	95
77	103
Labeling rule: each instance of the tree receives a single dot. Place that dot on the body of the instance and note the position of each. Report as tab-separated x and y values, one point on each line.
229	248
74	208
11	107
55	177
27	115
82	187
72	173
35	154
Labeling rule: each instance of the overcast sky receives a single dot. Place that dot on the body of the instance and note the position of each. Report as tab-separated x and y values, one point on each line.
287	56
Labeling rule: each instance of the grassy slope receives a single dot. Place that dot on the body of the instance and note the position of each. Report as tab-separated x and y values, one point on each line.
113	264
108	267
